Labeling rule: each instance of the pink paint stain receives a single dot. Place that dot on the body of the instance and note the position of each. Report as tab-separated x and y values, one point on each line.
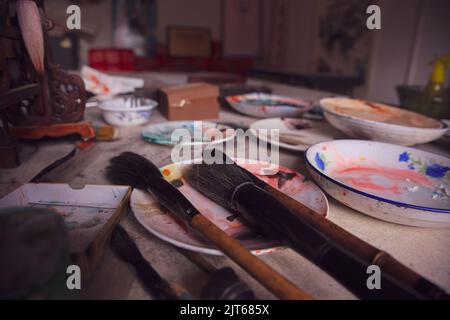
264	109
363	178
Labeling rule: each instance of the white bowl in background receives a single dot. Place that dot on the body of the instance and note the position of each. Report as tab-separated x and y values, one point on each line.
368	120
127	111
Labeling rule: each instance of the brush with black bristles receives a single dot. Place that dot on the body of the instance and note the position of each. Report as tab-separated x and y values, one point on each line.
134	170
158	287
235	189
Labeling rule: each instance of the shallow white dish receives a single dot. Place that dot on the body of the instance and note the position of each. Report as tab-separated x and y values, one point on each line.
160	223
188	133
389	182
374	121
127	111
447	123
313	132
264	105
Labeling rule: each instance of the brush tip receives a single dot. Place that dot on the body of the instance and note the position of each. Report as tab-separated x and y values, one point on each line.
132	169
216	181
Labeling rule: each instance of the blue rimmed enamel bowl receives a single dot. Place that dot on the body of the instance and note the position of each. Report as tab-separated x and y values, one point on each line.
389	182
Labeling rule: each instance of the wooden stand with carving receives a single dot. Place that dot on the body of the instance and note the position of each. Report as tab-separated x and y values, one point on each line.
34	106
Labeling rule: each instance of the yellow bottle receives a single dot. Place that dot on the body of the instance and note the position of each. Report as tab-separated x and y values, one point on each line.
435	88
435	96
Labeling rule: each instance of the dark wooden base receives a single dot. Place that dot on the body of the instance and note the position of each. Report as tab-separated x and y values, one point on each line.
84	129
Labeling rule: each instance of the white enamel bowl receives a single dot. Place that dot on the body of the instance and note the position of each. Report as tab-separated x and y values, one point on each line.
389	182
127	111
366	120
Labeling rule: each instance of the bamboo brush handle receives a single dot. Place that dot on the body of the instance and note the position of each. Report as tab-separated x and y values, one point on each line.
183	209
362	249
279	222
272	280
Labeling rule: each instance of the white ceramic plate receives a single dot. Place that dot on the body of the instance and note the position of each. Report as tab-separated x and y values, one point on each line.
264	105
313	132
198	132
447	123
160	223
389	182
369	120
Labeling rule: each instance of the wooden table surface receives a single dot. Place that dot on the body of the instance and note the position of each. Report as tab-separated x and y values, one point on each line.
424	250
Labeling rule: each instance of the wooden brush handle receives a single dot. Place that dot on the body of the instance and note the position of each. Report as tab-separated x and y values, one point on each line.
268	277
174	201
278	222
361	249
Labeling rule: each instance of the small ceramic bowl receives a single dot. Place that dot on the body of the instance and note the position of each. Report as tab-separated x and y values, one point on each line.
127	111
389	182
368	120
263	105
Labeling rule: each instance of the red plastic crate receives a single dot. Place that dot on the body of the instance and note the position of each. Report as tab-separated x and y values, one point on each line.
112	59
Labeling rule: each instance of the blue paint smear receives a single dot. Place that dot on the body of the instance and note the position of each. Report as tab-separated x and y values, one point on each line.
319	162
436	171
404	157
411	166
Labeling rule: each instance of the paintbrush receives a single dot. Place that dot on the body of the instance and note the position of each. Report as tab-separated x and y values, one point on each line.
363	250
128	251
135	170
223	284
31	29
234	189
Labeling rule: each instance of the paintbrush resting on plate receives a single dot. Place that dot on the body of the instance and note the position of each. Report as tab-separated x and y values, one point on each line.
363	250
234	189
138	172
128	251
31	29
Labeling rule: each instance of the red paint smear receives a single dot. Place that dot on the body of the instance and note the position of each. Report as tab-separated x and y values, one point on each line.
366	184
364	175
272	181
376	107
390	173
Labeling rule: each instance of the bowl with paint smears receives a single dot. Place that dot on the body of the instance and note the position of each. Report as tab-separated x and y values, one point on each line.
374	121
264	105
389	182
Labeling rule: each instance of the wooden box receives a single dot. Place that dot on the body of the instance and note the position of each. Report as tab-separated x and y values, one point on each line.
91	215
194	101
